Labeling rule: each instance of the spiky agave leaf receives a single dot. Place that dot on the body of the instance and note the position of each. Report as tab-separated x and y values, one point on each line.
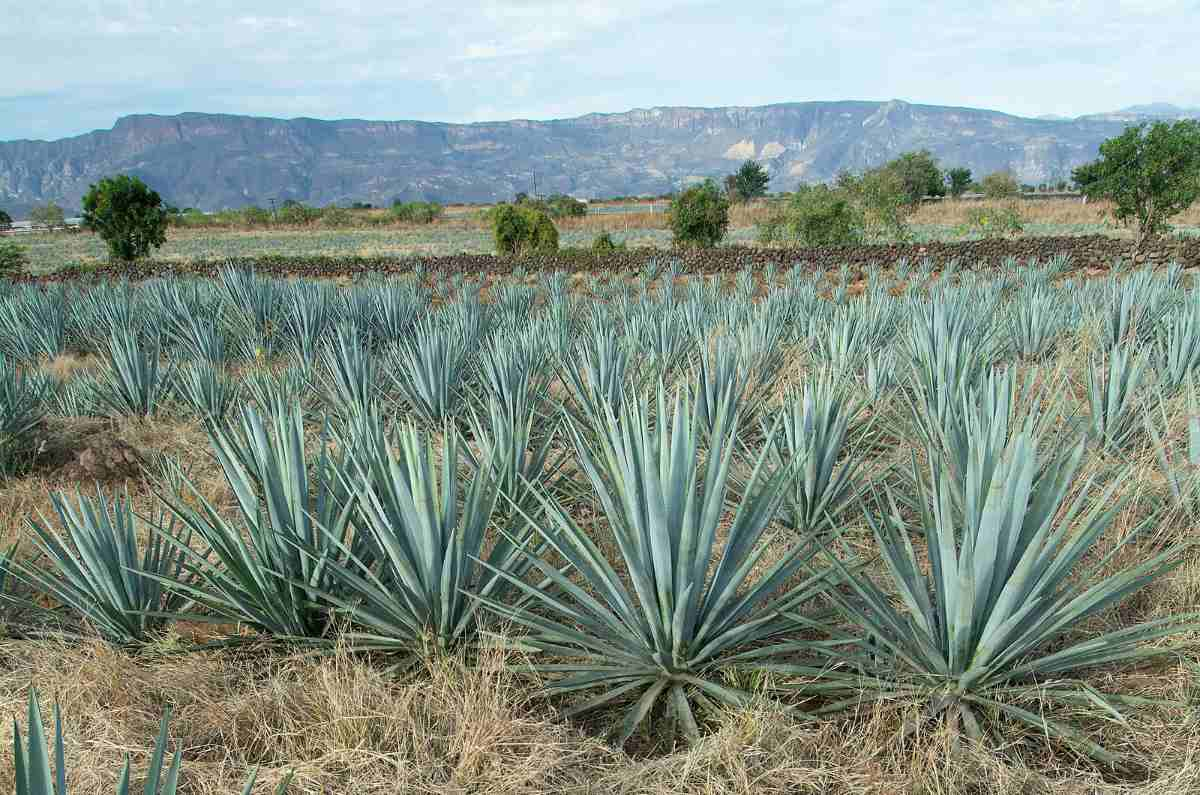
811	438
348	375
514	444
1177	350
596	375
207	390
948	351
428	370
34	324
1036	321
1181	472
1114	397
294	514
309	310
94	564
986	625
22	409
135	382
661	624
433	558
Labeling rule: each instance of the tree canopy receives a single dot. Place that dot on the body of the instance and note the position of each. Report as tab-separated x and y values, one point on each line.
127	215
1151	172
748	182
958	180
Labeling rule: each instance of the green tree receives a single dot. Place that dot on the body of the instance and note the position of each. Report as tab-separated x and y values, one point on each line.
919	175
748	182
815	215
699	215
1151	172
48	215
519	230
5	218
127	215
958	180
416	212
12	256
1000	185
880	195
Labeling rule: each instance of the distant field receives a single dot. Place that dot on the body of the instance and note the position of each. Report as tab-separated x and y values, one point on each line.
942	221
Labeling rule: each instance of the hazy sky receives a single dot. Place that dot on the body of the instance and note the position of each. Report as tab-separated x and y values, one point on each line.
70	67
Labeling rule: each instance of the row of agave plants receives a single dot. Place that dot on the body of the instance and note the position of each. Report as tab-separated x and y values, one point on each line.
638	491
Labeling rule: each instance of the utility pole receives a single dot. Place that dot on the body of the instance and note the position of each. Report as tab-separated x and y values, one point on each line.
533	179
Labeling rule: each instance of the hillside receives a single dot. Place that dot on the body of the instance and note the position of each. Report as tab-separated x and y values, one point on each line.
213	161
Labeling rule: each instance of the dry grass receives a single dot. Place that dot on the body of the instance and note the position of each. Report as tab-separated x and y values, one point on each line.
1041	211
343	725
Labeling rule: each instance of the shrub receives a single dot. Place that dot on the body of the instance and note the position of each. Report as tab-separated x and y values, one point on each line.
880	195
127	215
416	212
1151	172
919	176
562	206
48	215
296	214
12	256
522	230
991	221
748	182
699	216
815	215
336	216
255	216
604	244
1000	185
958	180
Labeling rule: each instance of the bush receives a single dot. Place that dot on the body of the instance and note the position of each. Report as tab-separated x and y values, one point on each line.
748	182
12	256
48	215
255	216
294	213
815	215
1150	172
336	216
556	205
991	221
919	176
958	180
1000	185
879	194
561	206
416	212
127	215
520	230
604	244
699	216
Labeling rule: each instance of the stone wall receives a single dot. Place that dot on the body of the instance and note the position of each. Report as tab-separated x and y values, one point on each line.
1090	252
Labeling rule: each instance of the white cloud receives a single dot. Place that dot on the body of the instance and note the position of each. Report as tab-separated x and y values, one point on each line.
483	59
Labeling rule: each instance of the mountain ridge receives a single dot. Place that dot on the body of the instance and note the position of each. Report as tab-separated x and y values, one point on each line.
220	160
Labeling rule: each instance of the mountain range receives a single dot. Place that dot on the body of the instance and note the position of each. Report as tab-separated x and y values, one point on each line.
213	161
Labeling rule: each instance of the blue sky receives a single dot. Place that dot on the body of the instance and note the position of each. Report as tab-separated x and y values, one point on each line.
70	67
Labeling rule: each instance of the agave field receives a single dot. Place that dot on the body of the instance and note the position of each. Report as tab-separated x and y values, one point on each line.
774	531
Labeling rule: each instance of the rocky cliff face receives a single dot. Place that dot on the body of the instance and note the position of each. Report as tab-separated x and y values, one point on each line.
213	161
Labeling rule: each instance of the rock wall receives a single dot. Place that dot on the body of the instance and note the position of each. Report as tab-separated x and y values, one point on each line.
1089	252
